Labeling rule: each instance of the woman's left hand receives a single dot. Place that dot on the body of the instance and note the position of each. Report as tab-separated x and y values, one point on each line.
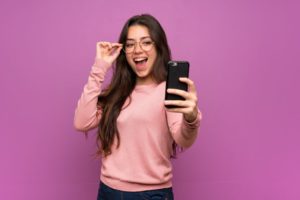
187	107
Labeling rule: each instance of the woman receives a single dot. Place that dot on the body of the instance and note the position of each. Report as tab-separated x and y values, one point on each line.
137	135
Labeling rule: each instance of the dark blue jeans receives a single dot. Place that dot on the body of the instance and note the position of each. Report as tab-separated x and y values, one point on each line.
107	193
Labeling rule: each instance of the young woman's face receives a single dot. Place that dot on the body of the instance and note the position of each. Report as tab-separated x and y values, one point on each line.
140	53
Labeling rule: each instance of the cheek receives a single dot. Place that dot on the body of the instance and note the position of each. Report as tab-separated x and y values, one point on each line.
153	56
127	58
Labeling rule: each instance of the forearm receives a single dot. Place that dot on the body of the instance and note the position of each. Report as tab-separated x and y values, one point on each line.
87	114
185	133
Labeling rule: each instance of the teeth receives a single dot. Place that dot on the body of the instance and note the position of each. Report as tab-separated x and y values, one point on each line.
139	59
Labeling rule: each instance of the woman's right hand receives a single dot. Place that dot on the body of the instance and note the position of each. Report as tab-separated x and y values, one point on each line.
108	51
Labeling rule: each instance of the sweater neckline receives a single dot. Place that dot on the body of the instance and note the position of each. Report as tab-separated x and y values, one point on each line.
145	87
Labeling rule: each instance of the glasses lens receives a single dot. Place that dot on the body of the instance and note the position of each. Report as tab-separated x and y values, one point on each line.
128	47
145	45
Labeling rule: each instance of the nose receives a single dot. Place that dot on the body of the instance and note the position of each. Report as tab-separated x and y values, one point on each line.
137	48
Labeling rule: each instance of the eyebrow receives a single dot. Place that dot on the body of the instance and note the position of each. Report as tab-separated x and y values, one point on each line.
131	39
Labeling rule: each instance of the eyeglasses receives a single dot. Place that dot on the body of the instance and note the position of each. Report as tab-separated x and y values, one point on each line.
145	45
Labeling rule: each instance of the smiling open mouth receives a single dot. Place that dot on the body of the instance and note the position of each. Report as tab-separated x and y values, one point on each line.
139	61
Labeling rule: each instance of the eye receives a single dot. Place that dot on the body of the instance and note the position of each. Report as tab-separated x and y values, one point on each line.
147	43
129	45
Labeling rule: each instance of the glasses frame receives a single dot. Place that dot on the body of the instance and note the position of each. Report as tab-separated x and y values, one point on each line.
135	45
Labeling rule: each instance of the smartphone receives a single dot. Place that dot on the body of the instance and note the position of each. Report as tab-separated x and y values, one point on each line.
176	69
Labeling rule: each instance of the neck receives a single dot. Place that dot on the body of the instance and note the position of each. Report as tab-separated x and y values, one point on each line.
145	81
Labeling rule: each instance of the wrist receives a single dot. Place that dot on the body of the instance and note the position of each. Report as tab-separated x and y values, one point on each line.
191	117
100	62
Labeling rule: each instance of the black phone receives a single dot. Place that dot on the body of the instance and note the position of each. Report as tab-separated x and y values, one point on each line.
176	69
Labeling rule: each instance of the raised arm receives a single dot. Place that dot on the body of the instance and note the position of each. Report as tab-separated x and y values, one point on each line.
87	113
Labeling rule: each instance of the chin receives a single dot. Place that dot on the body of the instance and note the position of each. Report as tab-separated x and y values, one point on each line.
142	74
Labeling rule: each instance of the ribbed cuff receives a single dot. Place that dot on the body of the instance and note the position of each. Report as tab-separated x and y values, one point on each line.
100	64
196	122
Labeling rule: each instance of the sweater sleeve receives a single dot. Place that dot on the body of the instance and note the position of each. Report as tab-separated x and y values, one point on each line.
184	133
87	113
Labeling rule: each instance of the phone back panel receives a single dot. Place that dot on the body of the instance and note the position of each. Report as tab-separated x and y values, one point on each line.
176	69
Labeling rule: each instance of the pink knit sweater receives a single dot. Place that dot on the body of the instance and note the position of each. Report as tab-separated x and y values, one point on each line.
147	131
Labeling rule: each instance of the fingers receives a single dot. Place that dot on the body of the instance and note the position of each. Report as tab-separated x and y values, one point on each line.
189	104
178	92
183	110
190	83
116	45
108	51
104	45
186	95
109	45
188	108
108	48
180	103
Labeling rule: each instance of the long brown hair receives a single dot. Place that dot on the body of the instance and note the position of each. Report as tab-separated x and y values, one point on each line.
123	81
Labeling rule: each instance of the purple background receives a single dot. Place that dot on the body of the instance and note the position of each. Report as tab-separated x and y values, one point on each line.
244	57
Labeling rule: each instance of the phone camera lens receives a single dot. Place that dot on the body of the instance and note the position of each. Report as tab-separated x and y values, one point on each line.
173	64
